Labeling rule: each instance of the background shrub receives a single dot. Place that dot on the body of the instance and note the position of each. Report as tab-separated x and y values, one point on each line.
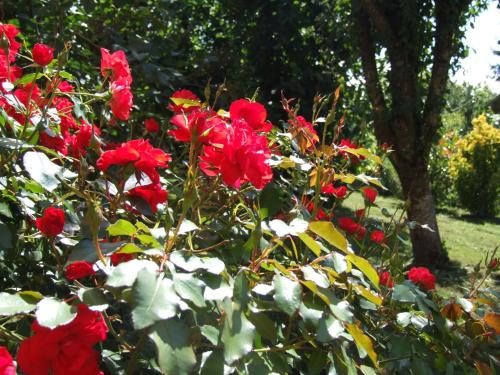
475	167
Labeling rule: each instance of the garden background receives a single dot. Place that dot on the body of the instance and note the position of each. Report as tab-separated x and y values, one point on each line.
268	186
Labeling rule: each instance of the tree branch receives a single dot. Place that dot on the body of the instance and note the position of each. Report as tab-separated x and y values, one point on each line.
448	13
375	93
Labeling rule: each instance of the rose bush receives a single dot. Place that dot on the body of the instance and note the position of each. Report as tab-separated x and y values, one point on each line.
213	246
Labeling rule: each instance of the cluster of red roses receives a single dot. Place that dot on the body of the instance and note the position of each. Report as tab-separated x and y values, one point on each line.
27	102
66	349
114	66
420	276
232	145
145	159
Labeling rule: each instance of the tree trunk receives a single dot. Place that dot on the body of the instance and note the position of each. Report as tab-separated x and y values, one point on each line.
427	248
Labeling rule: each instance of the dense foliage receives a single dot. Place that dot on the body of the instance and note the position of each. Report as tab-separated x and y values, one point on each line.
241	267
475	167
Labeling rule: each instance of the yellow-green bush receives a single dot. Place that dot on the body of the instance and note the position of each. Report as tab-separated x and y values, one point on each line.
475	167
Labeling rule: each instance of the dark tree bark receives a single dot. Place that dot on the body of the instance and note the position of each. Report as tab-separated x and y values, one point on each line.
411	121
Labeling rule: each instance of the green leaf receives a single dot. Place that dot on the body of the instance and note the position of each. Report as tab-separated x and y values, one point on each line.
130	248
27	78
341	311
52	313
364	266
85	250
212	363
94	298
66	75
186	103
329	233
125	273
403	293
5	210
317	362
265	326
310	243
15	304
363	342
211	333
5	238
315	276
154	299
288	294
122	228
366	370
270	204
189	288
237	335
329	328
44	171
175	353
191	263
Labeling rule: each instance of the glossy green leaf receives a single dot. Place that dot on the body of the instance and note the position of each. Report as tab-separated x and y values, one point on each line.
189	288
237	335
122	228
288	294
154	299
174	350
52	313
12	304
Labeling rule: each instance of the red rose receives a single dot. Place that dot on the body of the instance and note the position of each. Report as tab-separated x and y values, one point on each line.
351	227
151	125
370	194
116	65
386	279
144	157
56	143
80	142
66	349
79	270
192	101
253	113
6	362
65	86
240	159
320	214
8	72
377	236
360	213
121	100
52	222
423	277
10	31
204	127
117	258
153	194
42	54
339	192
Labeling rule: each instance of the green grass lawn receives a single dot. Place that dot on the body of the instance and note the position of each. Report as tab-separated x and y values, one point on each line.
467	239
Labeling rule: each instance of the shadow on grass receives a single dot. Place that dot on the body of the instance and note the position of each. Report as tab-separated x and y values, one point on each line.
457	215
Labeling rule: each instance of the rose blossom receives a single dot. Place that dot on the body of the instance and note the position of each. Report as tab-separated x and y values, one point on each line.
52	222
423	277
66	349
79	270
6	362
42	54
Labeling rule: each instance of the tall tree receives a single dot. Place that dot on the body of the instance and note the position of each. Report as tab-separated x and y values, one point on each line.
419	39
